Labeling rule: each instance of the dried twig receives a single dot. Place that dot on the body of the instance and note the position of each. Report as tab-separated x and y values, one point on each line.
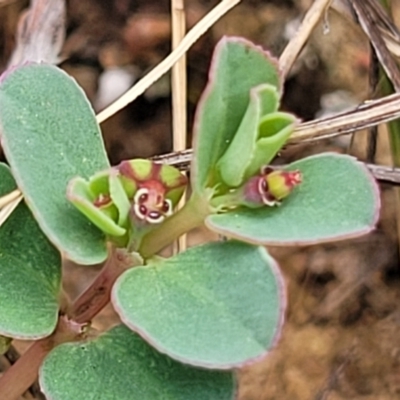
179	96
374	75
9	198
371	15
292	50
182	161
178	77
369	114
385	174
41	32
383	23
164	66
14	198
369	20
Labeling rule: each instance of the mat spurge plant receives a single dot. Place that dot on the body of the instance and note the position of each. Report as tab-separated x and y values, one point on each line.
187	321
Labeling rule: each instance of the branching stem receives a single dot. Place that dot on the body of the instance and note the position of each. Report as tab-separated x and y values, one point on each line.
190	216
24	372
97	295
18	378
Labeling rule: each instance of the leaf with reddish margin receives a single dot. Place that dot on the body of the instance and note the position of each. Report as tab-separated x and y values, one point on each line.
120	365
219	306
50	135
337	199
261	134
237	66
30	273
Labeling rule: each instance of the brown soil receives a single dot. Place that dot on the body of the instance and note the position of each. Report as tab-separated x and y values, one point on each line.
341	339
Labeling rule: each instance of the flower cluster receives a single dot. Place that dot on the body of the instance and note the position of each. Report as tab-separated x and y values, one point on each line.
135	193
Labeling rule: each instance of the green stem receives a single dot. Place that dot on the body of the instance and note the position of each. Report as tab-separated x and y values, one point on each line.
190	216
226	201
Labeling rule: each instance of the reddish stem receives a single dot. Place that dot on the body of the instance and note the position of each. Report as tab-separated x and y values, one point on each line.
17	379
97	296
24	372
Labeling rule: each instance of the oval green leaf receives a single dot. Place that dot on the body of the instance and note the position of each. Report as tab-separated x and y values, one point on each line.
217	306
50	135
337	199
120	365
236	67
30	273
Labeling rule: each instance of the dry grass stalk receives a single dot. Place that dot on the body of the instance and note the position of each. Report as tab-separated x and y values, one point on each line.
293	49
9	198
8	204
369	114
179	94
371	15
164	66
369	20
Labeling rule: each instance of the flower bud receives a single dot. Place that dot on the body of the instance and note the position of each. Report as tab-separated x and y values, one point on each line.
270	187
279	184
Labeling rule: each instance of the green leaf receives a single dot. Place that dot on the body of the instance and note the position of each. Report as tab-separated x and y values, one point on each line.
119	365
337	199
275	130
237	66
30	273
256	142
120	199
232	165
81	197
218	306
50	135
